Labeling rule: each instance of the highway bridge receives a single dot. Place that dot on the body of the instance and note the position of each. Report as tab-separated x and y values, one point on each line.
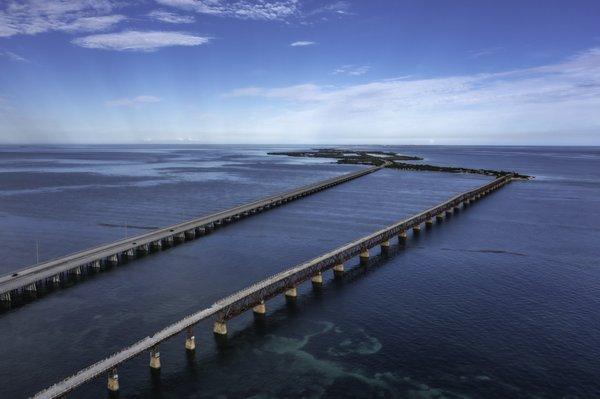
33	278
255	296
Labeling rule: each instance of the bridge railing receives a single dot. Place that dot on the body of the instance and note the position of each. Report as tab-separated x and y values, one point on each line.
243	299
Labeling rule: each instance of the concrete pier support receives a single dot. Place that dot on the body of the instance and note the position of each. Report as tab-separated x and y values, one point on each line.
130	253
56	279
156	245
338	269
31	288
77	271
429	222
200	231
439	217
220	328
155	358
190	340
260	309
96	265
364	255
209	227
190	234
291	293
180	237
317	279
402	237
113	381
417	228
113	260
5	297
385	245
168	241
143	249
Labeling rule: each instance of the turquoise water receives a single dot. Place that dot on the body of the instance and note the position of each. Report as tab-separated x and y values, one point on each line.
499	301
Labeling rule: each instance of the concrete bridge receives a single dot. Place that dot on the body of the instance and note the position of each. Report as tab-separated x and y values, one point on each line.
255	296
30	279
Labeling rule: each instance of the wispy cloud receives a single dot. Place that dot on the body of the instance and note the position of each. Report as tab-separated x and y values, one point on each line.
13	56
244	9
549	98
302	43
30	17
146	41
485	52
133	102
352	70
266	10
171	17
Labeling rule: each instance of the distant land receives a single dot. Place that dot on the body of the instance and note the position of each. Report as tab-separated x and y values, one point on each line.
390	160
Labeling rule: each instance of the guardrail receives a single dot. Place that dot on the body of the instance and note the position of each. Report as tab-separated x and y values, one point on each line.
256	293
15	281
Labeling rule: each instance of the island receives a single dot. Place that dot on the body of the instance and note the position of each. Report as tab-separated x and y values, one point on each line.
390	160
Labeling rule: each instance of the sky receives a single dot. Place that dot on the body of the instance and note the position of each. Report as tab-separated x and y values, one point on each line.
300	71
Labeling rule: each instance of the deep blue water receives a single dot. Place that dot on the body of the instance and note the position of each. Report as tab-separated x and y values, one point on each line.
499	301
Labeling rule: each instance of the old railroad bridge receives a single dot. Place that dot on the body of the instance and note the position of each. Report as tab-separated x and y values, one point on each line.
252	297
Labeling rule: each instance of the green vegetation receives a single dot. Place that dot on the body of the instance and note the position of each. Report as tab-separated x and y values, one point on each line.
389	160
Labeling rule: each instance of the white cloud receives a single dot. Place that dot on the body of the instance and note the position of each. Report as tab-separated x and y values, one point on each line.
485	52
132	102
145	41
270	10
13	56
171	17
302	43
352	70
536	102
30	17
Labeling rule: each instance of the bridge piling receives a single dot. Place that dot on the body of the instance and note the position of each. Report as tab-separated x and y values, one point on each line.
220	328
180	237
416	229
190	340
113	260
429	222
338	270
113	381
260	309
291	293
155	358
317	280
385	246
364	255
439	217
402	237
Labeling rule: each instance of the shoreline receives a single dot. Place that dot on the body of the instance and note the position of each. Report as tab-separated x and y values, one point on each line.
390	160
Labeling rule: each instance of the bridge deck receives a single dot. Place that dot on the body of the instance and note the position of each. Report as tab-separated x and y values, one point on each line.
263	290
24	277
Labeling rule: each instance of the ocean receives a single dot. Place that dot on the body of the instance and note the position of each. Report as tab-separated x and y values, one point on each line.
499	301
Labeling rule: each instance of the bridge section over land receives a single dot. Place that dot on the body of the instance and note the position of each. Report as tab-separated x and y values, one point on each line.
254	296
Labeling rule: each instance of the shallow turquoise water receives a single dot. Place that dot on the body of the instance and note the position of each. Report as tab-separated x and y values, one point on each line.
499	301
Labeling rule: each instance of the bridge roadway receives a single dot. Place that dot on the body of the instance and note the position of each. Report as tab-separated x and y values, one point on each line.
18	280
256	294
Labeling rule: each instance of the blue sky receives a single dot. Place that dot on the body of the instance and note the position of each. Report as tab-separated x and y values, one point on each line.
293	71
